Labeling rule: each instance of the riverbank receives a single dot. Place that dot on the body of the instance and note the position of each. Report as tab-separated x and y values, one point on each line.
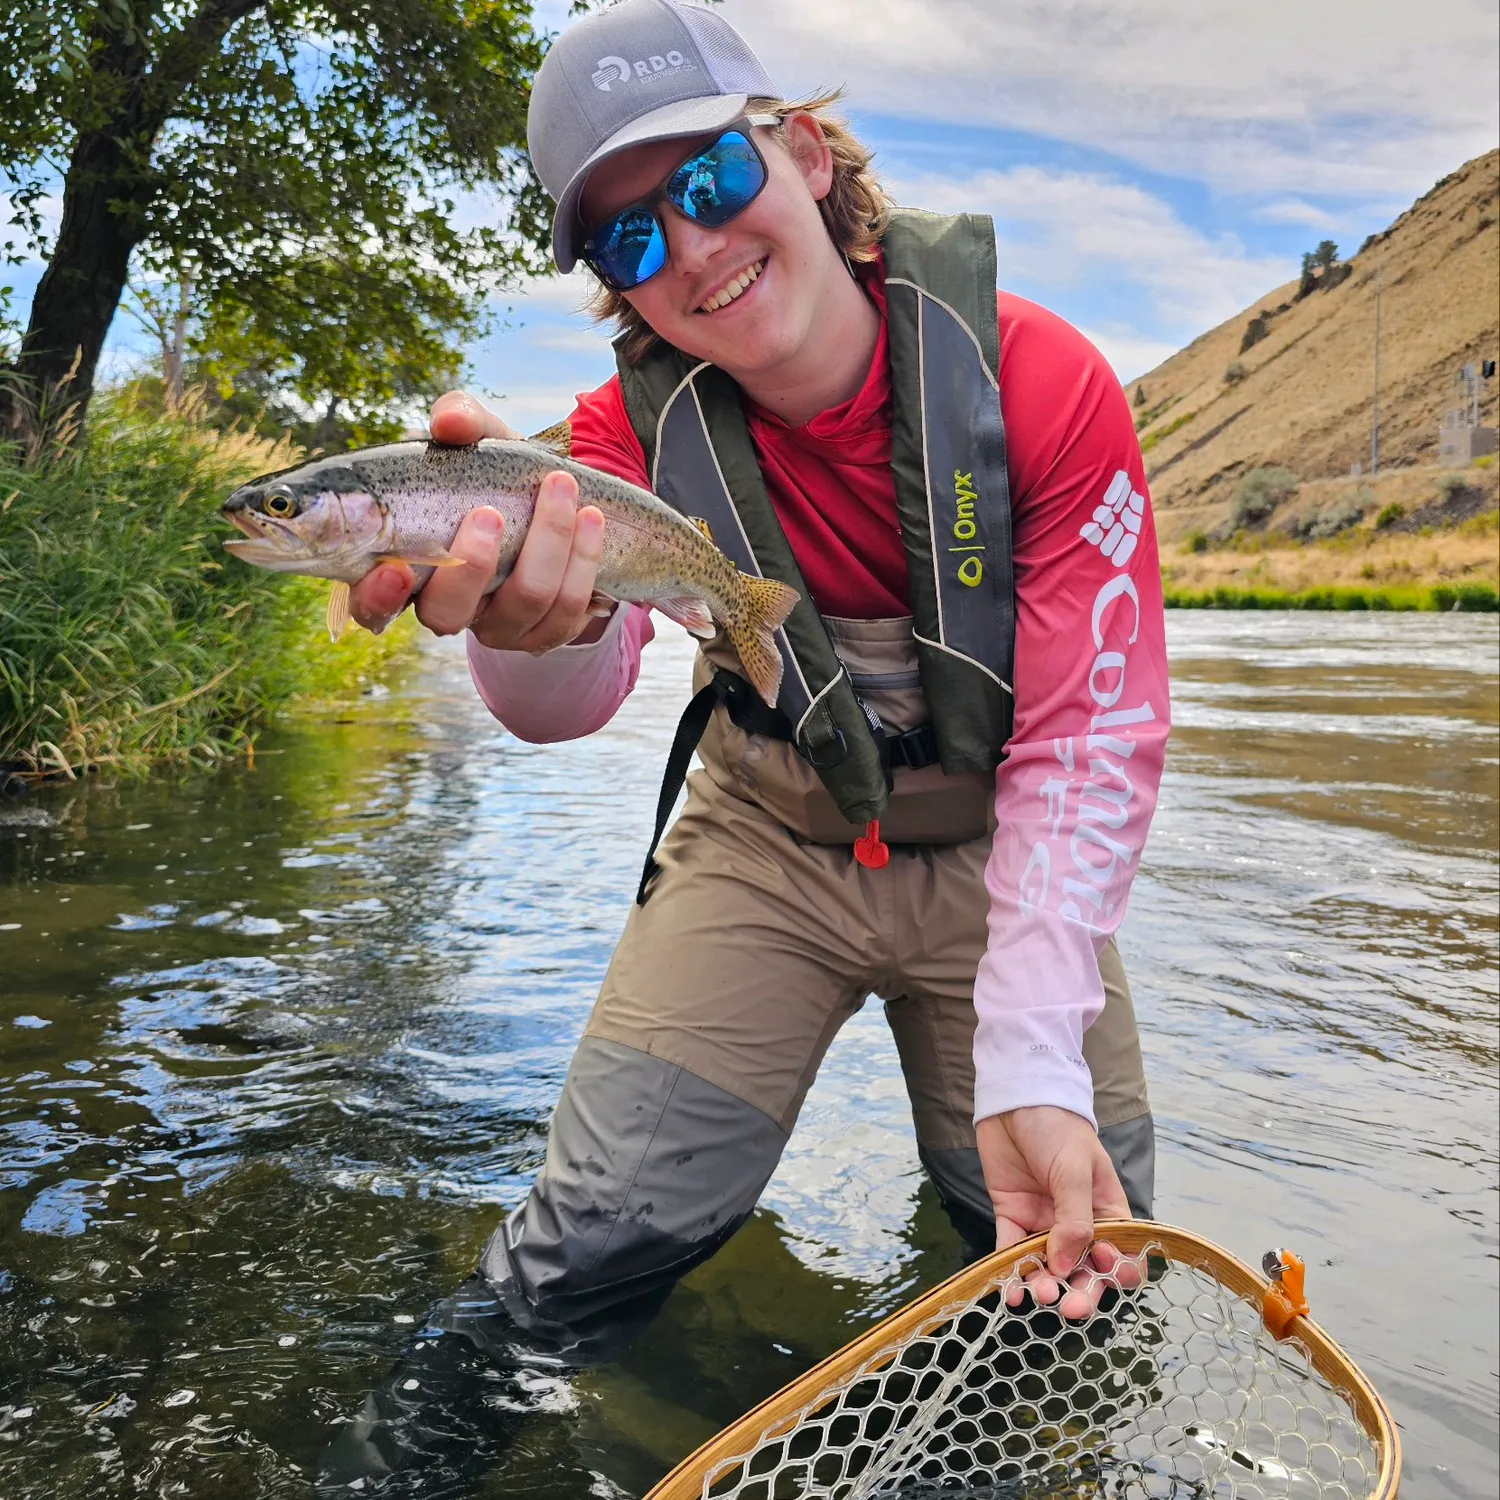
127	634
1414	539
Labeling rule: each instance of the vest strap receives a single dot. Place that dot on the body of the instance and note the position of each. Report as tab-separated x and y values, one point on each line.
915	749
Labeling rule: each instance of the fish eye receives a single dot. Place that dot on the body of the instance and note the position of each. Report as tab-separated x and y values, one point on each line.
280	503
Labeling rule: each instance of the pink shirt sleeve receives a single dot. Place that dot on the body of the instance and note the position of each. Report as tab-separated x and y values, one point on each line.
574	690
1075	794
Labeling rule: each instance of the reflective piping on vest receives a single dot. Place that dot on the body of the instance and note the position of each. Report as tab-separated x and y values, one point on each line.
989	374
784	645
661	421
937	582
969	660
832	683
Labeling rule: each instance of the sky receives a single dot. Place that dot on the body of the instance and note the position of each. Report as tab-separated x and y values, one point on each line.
1152	165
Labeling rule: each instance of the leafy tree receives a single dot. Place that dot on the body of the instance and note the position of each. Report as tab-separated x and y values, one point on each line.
300	158
1325	256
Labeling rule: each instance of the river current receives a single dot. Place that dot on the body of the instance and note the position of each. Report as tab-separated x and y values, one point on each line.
279	1042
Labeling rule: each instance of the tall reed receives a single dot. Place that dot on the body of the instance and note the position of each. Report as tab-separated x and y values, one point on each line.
126	632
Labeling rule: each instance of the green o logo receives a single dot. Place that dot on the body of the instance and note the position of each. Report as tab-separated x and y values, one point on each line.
970	571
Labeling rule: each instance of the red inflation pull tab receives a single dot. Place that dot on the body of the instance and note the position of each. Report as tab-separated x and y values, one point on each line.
869	850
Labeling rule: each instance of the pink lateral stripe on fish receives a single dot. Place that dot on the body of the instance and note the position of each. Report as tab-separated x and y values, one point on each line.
338	517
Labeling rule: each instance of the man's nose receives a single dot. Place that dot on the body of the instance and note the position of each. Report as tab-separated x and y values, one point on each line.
689	244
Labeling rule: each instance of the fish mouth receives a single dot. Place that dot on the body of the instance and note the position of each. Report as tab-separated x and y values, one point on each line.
264	542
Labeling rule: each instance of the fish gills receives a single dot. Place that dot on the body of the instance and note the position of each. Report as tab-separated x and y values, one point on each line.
760	609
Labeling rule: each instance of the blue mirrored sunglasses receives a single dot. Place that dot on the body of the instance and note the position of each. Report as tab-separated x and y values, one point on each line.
710	188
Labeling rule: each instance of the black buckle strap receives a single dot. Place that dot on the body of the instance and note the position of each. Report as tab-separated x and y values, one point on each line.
746	709
916	749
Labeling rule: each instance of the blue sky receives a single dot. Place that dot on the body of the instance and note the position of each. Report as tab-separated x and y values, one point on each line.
1152	165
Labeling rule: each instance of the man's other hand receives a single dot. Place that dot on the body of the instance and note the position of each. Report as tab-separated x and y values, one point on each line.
1047	1173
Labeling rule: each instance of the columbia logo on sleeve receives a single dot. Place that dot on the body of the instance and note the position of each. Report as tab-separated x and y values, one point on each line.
1116	524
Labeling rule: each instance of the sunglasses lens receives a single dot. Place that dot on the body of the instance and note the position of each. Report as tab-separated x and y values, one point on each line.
628	250
721	181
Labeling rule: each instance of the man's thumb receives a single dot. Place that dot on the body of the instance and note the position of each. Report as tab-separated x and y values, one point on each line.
1073	1214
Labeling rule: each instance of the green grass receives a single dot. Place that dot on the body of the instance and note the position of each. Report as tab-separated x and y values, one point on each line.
1153	438
1472	598
126	632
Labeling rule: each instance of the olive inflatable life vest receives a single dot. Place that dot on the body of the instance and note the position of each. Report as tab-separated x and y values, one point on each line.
953	503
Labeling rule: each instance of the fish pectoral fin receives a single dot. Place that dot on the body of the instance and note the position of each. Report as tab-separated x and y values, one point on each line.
439	557
601	606
689	612
338	611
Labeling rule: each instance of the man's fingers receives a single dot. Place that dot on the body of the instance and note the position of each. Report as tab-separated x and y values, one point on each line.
458	419
452	596
380	596
569	611
1073	1213
532	588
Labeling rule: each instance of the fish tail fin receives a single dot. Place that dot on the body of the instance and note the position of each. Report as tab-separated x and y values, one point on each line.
765	604
338	611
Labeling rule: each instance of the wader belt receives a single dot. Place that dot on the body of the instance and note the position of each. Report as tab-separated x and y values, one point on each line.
915	749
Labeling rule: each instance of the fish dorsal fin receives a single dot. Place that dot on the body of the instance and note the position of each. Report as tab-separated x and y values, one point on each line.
558	437
702	526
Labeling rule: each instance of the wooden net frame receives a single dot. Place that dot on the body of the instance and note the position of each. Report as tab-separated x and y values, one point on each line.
1175	1390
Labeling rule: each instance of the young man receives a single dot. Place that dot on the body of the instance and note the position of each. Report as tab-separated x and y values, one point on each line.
949	803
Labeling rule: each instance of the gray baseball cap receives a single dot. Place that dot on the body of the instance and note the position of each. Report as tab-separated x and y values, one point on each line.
643	70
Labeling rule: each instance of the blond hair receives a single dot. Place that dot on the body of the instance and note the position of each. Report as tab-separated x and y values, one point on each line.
855	211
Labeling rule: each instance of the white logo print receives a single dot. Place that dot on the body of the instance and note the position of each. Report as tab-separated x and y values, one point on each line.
1117	521
614	70
611	70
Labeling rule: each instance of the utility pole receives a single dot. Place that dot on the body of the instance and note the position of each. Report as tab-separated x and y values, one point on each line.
1375	390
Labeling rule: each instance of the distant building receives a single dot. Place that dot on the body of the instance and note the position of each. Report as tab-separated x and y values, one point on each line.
1462	445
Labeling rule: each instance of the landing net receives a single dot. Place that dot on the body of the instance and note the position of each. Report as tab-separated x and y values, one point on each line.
1175	1389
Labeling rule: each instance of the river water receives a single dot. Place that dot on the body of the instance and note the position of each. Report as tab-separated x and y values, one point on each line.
280	1043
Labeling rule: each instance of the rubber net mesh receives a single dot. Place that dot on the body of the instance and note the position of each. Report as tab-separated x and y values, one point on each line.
1171	1390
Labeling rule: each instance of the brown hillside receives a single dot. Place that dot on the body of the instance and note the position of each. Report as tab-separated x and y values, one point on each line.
1304	401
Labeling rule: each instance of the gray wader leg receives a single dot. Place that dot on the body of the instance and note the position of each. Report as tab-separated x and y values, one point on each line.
649	1170
957	1176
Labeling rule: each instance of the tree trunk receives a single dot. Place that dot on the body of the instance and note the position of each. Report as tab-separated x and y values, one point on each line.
76	298
107	191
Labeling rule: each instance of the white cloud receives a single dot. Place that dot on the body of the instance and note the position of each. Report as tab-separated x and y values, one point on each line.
1295	211
535	408
1128	353
1347	96
1068	230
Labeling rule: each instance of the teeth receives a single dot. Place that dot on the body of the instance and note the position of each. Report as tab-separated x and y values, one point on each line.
726	294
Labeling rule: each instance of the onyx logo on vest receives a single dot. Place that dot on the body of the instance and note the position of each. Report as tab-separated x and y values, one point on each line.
612	70
966	530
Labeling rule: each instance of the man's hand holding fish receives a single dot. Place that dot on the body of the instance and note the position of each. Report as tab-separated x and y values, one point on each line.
545	601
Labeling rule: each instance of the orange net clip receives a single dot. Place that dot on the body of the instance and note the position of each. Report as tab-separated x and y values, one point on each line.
1286	1297
869	850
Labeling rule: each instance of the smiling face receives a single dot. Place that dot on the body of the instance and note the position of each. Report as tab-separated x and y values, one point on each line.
747	296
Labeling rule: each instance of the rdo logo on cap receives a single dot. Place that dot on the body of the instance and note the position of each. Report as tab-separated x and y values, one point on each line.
612	70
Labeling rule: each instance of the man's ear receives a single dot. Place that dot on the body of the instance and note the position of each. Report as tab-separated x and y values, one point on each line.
809	150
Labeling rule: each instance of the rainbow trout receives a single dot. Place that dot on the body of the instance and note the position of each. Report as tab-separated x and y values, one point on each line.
338	517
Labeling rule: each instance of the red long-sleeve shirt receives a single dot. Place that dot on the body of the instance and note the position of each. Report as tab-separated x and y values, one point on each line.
1075	794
